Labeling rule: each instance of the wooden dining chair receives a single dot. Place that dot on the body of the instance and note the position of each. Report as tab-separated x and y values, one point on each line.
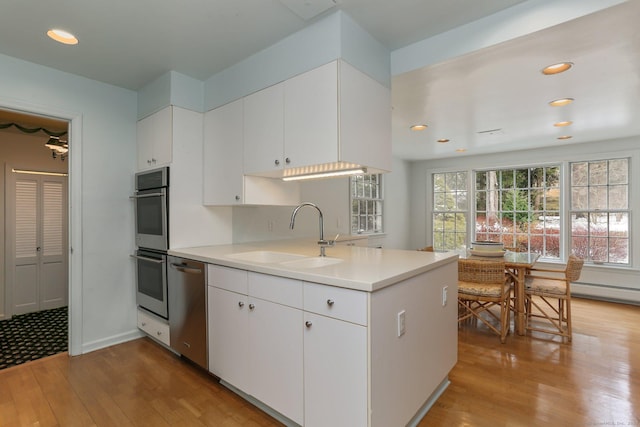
483	284
553	291
426	249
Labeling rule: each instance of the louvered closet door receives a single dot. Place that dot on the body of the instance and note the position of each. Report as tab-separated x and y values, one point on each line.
40	279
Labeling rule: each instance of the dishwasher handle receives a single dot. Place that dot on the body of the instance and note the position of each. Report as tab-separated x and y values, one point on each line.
184	269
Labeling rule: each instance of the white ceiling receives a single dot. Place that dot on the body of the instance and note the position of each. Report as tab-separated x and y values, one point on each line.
130	43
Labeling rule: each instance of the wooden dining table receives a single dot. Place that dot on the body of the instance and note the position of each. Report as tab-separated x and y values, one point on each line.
517	263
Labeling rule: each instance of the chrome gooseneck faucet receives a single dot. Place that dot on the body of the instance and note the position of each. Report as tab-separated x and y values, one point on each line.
323	243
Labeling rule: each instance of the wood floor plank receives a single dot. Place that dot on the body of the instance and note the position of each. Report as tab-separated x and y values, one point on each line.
530	381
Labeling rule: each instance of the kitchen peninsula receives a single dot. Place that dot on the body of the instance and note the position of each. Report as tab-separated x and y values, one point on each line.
361	337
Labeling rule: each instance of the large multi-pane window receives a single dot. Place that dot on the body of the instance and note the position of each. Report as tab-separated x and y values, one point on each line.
450	206
600	210
520	207
366	204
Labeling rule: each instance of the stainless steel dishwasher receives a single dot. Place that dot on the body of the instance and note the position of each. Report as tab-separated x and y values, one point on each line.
187	284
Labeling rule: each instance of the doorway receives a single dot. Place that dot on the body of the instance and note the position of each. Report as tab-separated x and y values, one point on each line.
34	284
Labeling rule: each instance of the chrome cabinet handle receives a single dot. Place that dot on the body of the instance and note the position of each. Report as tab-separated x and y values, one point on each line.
330	302
240	304
143	196
251	306
308	323
184	269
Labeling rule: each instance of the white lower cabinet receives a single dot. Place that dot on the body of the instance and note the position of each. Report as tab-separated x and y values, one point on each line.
335	372
255	343
311	365
153	326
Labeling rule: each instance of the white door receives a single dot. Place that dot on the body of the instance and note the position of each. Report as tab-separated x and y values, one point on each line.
38	242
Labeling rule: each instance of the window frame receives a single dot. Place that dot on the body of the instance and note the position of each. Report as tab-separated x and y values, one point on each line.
633	157
379	200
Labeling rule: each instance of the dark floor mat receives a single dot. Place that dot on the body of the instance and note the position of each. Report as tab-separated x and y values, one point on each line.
31	336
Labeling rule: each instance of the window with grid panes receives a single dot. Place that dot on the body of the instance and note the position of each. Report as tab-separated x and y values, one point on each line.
366	204
521	208
450	207
600	211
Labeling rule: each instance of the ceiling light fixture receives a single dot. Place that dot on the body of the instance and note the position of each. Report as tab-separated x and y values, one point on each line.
57	147
563	124
561	102
443	140
565	137
62	36
418	127
558	68
461	150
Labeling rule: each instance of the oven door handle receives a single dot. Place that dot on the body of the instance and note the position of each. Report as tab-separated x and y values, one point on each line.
144	258
185	269
142	196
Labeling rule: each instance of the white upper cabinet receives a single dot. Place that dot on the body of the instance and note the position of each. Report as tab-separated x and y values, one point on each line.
333	113
223	155
154	139
224	181
264	130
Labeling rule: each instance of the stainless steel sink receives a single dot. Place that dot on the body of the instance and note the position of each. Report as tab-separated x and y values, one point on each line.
312	262
265	257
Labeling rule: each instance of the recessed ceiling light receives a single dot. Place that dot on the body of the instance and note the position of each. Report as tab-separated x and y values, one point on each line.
560	67
565	137
561	102
562	124
461	150
418	127
62	36
443	140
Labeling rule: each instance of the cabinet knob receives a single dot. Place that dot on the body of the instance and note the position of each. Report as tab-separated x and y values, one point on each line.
330	302
153	161
144	323
240	304
308	324
159	333
237	198
287	160
251	306
148	162
277	162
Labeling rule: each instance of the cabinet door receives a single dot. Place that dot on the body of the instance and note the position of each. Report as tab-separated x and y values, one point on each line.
264	130
335	372
311	117
223	181
154	139
275	337
227	331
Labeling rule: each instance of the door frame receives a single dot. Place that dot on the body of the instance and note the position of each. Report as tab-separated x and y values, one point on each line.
74	217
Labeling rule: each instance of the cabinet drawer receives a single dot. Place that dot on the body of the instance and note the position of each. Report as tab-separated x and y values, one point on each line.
154	327
276	289
228	278
339	303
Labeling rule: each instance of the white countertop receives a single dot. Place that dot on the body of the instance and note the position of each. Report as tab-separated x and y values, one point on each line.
364	269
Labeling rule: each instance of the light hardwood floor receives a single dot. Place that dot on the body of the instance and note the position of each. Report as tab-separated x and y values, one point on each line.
529	381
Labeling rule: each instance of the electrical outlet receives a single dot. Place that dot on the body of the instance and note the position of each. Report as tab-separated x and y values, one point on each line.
444	295
401	323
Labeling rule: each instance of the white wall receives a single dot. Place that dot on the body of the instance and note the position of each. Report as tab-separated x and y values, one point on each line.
599	281
102	160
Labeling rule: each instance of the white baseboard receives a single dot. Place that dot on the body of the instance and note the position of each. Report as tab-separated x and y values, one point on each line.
113	340
608	293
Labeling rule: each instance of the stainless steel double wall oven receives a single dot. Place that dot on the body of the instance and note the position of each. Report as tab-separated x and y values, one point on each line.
151	201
